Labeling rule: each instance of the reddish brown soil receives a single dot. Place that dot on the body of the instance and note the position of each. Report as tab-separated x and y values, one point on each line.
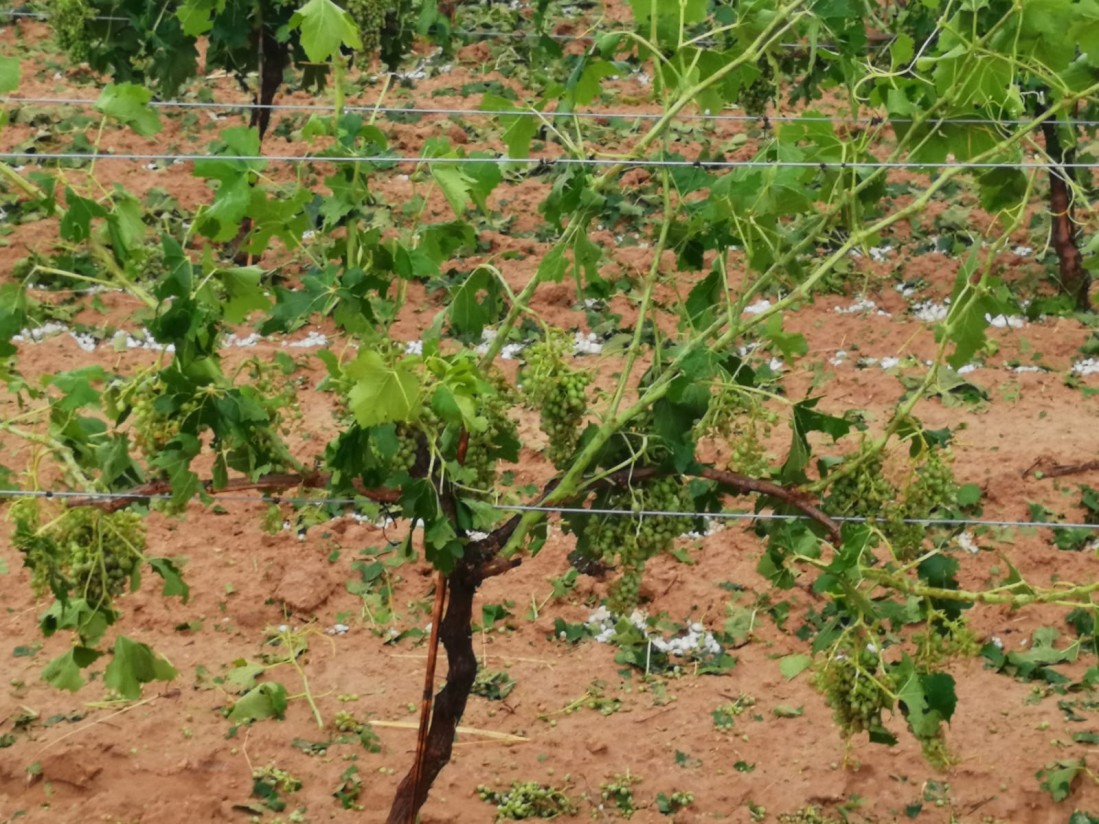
173	757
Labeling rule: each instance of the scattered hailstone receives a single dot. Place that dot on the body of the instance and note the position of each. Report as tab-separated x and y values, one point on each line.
1023	251
888	363
84	341
709	527
931	312
880	253
314	340
1005	321
1089	366
695	640
1028	369
863	304
414	347
838	358
969	367
966	542
308	235
232	340
776	365
757	307
338	629
906	290
588	344
40	333
997	641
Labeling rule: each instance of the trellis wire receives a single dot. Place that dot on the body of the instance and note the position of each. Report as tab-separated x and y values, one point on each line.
560	510
587	114
405	160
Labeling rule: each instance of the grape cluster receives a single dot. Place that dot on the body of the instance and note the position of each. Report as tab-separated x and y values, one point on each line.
560	393
92	552
369	16
483	448
864	492
634	540
749	455
755	97
856	688
152	429
931	488
527	799
69	19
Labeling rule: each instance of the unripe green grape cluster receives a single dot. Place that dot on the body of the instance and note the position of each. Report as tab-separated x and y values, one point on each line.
527	799
69	20
560	393
482	445
369	16
865	492
152	429
93	551
856	688
749	455
931	488
629	542
757	95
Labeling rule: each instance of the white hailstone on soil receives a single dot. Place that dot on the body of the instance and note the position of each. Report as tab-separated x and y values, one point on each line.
1089	366
1005	321
39	333
588	344
905	290
967	542
314	340
757	307
414	347
232	340
930	311
888	363
84	341
862	304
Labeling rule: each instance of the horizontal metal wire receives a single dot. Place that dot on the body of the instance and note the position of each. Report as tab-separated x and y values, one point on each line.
561	510
404	160
587	114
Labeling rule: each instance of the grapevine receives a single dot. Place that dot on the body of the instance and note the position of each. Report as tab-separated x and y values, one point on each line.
755	223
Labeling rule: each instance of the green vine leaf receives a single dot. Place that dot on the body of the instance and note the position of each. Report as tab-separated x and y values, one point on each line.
134	664
65	671
9	74
325	27
382	392
128	103
268	700
174	585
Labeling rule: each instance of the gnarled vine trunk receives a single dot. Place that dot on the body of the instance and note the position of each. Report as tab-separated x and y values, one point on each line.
1074	278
